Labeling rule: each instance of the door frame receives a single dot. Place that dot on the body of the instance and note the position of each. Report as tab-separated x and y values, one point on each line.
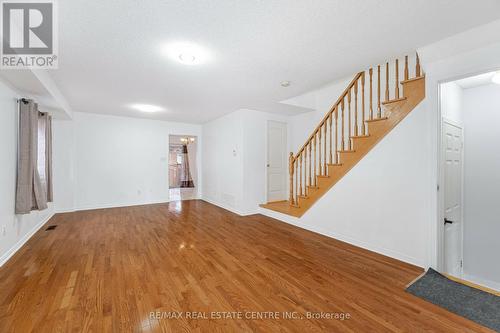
441	192
196	178
266	180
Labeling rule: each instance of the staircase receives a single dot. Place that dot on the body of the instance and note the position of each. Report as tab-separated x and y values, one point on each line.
350	129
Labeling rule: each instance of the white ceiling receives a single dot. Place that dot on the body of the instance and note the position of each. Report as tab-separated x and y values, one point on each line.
27	84
25	81
110	51
475	81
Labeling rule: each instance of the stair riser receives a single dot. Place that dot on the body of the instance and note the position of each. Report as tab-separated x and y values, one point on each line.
322	182
359	143
347	157
332	170
389	109
410	86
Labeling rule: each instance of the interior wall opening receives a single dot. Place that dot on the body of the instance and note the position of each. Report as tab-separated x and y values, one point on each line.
469	178
182	167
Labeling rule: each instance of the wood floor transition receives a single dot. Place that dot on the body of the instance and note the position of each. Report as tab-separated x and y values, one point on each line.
130	269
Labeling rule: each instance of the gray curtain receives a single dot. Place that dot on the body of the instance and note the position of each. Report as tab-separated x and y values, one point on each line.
31	194
186	180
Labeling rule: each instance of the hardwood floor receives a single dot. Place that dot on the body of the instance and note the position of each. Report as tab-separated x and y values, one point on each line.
107	270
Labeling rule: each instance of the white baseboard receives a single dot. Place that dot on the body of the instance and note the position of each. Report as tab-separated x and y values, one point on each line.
23	240
64	210
117	205
347	239
231	209
482	282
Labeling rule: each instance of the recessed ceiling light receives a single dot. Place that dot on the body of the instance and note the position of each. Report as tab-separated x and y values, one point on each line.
285	84
186	53
496	78
147	108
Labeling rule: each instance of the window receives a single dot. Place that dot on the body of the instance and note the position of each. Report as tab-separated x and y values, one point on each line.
41	154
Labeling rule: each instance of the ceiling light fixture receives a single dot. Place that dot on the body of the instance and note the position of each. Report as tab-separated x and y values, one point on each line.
147	108
187	141
285	84
496	78
186	58
186	53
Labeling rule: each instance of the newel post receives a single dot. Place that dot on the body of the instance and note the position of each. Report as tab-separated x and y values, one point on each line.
290	166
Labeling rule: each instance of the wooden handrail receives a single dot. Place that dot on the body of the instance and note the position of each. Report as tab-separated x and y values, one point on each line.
322	122
325	146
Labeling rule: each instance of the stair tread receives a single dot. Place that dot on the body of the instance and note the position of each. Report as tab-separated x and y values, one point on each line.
360	136
283	208
334	164
323	176
376	119
394	100
413	79
346	151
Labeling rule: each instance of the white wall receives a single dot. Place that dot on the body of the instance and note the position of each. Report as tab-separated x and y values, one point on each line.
395	183
235	158
451	102
223	162
472	52
322	99
482	184
14	229
381	203
64	168
255	157
392	209
118	161
373	206
302	125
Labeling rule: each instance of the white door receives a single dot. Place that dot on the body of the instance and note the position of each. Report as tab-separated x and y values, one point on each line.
453	224
276	161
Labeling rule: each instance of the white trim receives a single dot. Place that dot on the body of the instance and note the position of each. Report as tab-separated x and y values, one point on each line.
92	207
106	206
23	240
347	239
285	172
229	208
64	210
482	282
440	193
460	63
453	122
441	244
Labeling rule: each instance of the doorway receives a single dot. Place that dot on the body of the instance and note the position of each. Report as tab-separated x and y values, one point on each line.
468	228
182	167
276	161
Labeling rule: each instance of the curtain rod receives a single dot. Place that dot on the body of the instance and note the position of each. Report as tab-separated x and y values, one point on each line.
26	101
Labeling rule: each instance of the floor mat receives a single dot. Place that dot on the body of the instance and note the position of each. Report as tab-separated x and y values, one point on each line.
468	302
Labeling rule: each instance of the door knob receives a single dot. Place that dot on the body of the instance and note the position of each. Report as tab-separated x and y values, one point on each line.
268	165
446	221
